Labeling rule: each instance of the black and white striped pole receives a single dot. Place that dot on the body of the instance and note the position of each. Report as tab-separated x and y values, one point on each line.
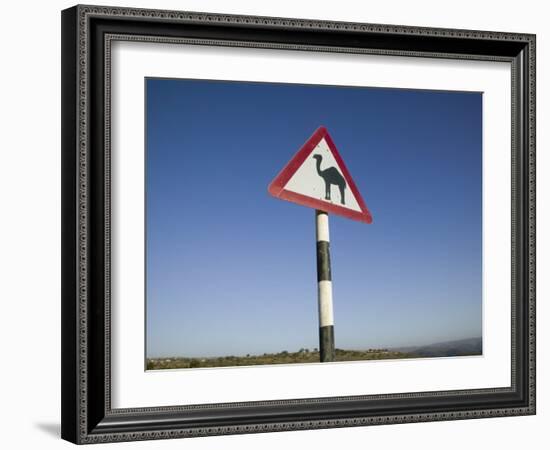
324	281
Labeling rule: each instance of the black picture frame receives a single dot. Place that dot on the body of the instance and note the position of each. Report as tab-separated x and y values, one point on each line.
87	416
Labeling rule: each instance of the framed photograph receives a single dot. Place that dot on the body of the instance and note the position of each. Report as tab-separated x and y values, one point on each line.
279	224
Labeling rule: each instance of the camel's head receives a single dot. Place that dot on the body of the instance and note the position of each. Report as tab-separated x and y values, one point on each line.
318	157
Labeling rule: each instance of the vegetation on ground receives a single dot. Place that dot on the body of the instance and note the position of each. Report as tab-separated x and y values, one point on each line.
301	356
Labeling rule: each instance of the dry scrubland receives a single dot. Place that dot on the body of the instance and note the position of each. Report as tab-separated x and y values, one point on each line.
284	357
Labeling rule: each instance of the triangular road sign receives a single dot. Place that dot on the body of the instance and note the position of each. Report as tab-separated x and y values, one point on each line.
317	177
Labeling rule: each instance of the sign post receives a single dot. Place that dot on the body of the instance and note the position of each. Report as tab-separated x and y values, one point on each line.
324	288
317	177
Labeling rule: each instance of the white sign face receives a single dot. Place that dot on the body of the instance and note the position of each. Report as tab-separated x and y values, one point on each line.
317	177
321	177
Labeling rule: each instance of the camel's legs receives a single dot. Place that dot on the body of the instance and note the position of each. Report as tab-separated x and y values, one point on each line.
327	190
342	198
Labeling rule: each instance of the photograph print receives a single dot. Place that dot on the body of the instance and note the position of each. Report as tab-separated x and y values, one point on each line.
297	224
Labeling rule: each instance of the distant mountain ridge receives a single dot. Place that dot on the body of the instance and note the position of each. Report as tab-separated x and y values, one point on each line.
462	347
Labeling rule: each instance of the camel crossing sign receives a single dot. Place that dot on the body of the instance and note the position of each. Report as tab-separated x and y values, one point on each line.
317	177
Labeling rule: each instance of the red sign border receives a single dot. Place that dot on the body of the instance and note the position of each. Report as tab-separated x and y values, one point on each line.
277	190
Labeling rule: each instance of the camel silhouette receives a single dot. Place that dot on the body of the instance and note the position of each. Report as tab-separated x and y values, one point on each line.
331	175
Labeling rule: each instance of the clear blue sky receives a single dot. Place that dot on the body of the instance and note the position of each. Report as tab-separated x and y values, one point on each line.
231	270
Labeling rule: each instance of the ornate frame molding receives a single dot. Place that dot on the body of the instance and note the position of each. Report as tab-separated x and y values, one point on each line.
86	421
